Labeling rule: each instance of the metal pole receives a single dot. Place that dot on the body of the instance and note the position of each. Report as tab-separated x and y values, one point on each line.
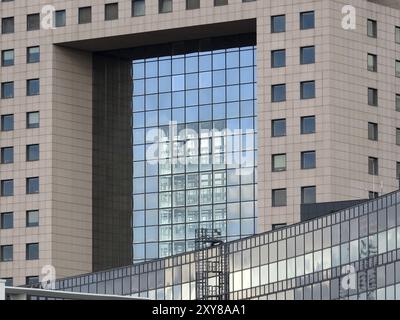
2	289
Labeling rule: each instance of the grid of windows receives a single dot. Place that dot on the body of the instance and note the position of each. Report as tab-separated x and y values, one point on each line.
194	183
305	259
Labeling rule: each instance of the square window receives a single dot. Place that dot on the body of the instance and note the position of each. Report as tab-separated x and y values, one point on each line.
32	152
398	136
307	20
32	251
372	29
32	120
33	22
164	6
33	87
372	131
278	24
372	97
7	58
111	11
397	66
31	280
278	92
85	15
7	90
220	3
308	195
33	54
32	218
7	25
373	168
307	55
6	253
138	8
278	162
308	160
7	220
32	185
278	128
7	122
278	58
372	62
7	155
7	188
307	90
397	35
307	124
60	18
279	197
192	4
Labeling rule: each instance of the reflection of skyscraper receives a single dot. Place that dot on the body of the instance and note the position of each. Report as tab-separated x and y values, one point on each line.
203	103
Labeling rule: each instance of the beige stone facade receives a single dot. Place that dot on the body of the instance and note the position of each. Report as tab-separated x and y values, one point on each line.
65	168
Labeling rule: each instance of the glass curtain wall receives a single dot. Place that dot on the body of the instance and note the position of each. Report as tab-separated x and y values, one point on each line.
194	136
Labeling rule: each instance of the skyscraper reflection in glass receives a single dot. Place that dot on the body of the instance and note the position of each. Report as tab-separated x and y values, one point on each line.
199	110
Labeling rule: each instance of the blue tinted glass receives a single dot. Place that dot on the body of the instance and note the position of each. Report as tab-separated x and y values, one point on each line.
138	88
138	70
178	115
178	66
151	118
138	119
205	96
151	69
192	114
187	97
205	113
178	99
246	58
232	59
138	103
165	67
192	64
219	94
178	82
232	76
246	91
233	93
205	63
219	61
152	102
232	110
164	84
192	97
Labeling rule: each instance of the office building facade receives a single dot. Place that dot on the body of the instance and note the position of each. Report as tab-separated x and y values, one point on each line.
85	85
